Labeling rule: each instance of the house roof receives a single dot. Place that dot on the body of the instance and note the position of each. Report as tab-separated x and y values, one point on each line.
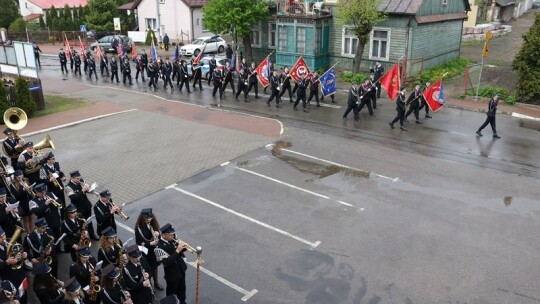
32	16
130	5
410	7
195	3
46	4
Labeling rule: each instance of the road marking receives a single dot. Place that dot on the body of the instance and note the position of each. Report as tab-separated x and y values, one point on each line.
293	186
285	233
518	115
247	294
330	106
393	179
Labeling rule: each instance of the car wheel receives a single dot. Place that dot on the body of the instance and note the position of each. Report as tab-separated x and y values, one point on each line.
221	49
196	52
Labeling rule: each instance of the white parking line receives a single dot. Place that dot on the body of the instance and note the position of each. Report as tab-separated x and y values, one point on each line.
247	294
312	244
330	106
394	179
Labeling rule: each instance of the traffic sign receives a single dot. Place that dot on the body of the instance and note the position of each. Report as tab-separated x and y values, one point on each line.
83	28
116	22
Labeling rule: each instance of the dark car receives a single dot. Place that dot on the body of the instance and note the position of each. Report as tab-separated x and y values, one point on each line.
536	5
106	43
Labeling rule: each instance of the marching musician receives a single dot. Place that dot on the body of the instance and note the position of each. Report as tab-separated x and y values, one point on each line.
136	277
171	254
147	234
314	88
183	77
111	290
21	191
5	172
110	249
8	219
8	294
46	204
364	93
253	82
12	145
286	83
53	177
76	190
242	84
74	293
104	210
8	271
228	72
27	159
48	289
39	245
72	227
84	271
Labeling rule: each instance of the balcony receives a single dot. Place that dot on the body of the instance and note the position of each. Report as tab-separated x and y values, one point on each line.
305	9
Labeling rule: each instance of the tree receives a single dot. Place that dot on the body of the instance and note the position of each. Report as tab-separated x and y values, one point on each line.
41	22
4	102
8	13
18	26
23	98
527	65
100	15
52	22
235	17
150	35
361	16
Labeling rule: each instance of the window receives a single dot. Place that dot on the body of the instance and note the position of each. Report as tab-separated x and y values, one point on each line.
349	42
151	23
444	2
282	38
202	25
256	35
272	35
318	40
301	40
379	44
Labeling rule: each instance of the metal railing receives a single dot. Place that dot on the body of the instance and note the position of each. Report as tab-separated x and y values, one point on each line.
301	8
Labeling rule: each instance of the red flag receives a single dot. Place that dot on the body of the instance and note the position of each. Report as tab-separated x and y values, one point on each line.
68	48
300	67
81	46
237	67
199	57
23	287
261	73
98	52
434	96
119	49
133	51
390	81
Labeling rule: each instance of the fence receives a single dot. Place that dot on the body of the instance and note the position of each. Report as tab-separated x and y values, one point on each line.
54	37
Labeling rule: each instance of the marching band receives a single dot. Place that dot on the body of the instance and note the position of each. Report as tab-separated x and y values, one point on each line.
42	215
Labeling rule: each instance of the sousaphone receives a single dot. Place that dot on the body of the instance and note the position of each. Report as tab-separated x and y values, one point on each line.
15	119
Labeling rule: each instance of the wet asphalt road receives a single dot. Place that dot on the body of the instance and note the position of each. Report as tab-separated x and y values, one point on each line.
345	212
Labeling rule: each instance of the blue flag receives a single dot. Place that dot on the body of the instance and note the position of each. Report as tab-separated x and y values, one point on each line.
176	52
267	71
441	95
153	53
328	82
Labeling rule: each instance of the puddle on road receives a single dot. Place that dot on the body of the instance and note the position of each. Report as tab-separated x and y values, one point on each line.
528	124
507	200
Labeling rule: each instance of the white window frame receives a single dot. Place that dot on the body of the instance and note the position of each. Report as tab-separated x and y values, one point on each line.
270	31
343	37
282	29
153	21
387	55
444	2
297	41
256	29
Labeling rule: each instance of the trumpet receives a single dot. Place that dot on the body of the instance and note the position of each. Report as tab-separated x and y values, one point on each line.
27	188
55	181
54	202
119	212
189	248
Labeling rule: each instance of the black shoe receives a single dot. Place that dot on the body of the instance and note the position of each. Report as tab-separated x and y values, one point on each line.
407	121
391	125
496	136
403	128
268	103
345	118
318	105
479	133
418	122
333	101
294	108
427	116
236	98
305	110
278	106
357	119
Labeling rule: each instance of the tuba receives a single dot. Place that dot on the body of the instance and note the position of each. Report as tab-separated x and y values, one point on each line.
35	165
15	249
15	119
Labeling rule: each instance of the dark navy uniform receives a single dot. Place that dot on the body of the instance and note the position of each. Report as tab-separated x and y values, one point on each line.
242	85
104	217
20	196
77	64
352	103
151	72
253	81
21	165
92	68
10	150
166	72
400	108
51	170
364	94
183	79
82	272
274	85
216	79
228	72
72	228
301	94
63	61
133	281
126	72
196	72
35	244
49	212
212	65
114	70
284	79
140	67
113	295
104	65
15	276
7	220
314	89
174	268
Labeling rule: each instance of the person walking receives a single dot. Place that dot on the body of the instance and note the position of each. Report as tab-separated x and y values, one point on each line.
166	42
400	107
490	119
352	102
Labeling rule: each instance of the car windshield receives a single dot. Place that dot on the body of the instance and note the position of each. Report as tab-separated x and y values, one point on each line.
198	41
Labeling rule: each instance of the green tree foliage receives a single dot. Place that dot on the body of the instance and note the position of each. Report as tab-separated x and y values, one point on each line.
18	26
41	22
9	12
52	20
23	98
4	103
235	17
100	15
65	19
361	15
527	65
149	36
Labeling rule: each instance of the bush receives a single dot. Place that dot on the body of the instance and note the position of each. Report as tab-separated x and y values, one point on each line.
150	35
349	77
450	68
4	102
18	26
527	66
23	98
490	91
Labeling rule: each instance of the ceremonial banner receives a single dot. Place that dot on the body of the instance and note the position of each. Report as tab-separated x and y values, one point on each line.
199	57
328	82
68	48
263	72
300	67
133	51
98	52
390	81
434	96
153	52
82	48
176	52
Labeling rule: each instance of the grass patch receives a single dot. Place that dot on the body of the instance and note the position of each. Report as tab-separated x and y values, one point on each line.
56	104
466	43
489	91
450	69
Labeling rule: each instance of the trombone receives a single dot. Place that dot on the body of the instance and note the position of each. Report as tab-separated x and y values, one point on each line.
54	202
119	212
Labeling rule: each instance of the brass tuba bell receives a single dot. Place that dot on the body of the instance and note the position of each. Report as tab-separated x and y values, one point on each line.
35	165
45	143
15	119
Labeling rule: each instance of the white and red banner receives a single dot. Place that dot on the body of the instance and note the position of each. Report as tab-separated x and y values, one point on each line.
263	72
300	67
434	96
390	81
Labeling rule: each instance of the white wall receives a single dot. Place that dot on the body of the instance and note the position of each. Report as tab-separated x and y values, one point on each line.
28	8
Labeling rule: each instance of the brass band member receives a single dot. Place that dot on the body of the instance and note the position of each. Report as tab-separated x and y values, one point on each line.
4	174
44	204
172	299
72	227
48	289
147	234
171	254
13	145
20	188
8	293
104	211
77	191
110	250
27	158
53	177
7	271
39	244
82	270
74	293
136	278
8	219
111	290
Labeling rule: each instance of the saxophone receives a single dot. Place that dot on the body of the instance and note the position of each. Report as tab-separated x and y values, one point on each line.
147	277
93	286
84	241
121	258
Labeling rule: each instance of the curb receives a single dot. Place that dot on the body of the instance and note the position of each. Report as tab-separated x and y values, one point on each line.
518	115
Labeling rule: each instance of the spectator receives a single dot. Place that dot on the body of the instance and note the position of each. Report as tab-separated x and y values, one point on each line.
166	42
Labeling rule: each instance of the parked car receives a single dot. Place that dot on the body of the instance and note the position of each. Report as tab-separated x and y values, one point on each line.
536	5
220	61
106	42
213	44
